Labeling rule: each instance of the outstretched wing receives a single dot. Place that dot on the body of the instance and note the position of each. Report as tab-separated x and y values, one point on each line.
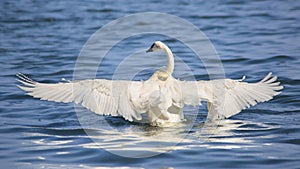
228	97
104	97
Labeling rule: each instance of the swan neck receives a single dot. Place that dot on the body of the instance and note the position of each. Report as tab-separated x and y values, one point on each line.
170	66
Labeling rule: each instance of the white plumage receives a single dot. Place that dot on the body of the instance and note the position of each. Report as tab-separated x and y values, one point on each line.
162	97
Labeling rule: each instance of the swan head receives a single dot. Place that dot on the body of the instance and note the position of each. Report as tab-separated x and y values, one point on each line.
156	46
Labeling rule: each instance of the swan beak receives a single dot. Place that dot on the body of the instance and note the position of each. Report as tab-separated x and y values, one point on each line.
149	50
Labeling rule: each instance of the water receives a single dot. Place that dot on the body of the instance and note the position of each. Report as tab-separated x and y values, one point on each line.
43	40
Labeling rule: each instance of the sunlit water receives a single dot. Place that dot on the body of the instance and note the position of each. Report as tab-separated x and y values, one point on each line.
43	41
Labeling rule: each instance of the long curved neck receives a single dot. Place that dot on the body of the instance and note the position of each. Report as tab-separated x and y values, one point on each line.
170	66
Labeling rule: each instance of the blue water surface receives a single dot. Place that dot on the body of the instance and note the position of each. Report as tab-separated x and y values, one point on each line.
44	38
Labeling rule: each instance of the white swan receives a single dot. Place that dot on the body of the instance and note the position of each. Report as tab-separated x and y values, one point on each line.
162	97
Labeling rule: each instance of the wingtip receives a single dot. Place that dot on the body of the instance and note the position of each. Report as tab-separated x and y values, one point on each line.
24	79
26	89
270	73
277	93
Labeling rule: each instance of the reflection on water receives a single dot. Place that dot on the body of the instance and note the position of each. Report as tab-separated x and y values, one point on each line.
139	140
136	140
229	134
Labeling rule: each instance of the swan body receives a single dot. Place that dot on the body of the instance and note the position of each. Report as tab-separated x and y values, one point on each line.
161	97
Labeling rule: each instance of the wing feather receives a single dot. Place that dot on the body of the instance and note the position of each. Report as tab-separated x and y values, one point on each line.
227	97
236	95
104	97
129	99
